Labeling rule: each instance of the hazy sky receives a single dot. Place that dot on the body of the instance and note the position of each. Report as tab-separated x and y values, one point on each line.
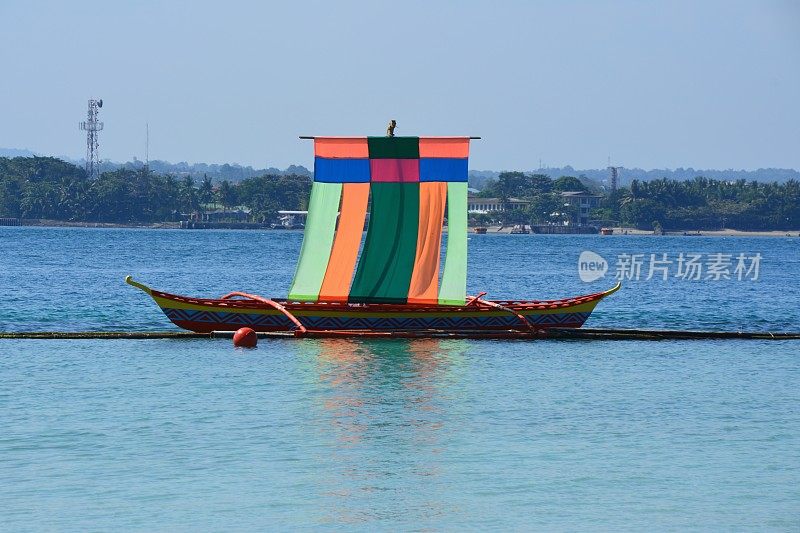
652	84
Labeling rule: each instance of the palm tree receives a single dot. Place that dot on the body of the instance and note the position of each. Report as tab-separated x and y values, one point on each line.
206	192
188	194
226	194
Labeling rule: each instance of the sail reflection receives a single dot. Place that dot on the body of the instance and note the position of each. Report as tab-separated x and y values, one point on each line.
384	406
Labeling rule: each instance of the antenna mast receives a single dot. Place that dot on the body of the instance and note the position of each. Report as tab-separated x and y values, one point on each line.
614	177
92	127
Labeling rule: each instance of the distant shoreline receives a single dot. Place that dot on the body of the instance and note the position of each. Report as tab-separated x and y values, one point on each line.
497	230
74	224
713	233
689	233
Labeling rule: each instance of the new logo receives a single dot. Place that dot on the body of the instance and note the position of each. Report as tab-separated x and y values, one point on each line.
591	266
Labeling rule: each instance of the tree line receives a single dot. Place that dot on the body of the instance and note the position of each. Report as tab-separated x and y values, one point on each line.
703	203
699	203
225	172
49	188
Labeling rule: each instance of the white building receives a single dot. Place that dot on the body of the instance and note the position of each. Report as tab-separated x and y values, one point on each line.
584	201
476	204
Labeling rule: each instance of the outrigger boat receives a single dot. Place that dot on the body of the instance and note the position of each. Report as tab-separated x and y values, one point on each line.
393	286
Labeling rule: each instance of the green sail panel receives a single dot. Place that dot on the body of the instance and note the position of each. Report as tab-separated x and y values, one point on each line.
323	208
393	147
387	260
453	290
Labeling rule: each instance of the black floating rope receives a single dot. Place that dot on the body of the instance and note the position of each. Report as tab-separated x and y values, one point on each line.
104	335
551	333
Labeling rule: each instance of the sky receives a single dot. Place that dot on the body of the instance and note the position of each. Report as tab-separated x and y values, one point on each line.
702	84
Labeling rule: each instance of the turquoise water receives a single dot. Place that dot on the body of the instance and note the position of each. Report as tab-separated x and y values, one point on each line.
72	279
392	435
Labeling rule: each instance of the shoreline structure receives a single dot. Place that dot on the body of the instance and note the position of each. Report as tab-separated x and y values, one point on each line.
495	229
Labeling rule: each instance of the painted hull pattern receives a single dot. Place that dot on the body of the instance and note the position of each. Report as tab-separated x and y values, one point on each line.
203	315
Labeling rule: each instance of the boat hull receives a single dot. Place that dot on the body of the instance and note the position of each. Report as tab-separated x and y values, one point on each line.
204	315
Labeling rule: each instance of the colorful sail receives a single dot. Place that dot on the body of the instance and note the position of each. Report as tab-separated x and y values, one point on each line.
410	180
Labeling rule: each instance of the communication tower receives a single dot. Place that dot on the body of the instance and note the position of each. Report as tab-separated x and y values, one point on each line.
614	177
92	126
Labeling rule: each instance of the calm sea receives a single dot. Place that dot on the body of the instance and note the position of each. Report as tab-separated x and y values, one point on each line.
193	435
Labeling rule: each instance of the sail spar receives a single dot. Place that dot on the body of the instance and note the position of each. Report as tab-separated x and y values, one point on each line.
411	182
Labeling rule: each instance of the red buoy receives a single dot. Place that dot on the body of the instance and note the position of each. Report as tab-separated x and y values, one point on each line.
245	338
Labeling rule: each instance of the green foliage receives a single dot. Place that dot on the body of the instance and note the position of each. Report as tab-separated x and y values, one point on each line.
543	206
711	204
480	219
601	213
48	188
265	195
514	216
31	186
569	183
700	203
205	194
642	212
133	196
226	194
517	185
188	196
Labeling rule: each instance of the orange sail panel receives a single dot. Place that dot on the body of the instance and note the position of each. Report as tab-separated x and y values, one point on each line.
342	263
424	288
457	147
341	147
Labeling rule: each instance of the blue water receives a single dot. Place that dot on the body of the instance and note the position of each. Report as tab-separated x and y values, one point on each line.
72	279
393	435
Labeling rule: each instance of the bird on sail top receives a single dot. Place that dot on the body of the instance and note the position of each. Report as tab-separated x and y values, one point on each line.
390	129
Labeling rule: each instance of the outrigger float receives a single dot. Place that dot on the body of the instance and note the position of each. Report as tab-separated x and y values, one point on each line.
393	287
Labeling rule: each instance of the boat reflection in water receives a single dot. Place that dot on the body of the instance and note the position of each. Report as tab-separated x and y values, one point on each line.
383	408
